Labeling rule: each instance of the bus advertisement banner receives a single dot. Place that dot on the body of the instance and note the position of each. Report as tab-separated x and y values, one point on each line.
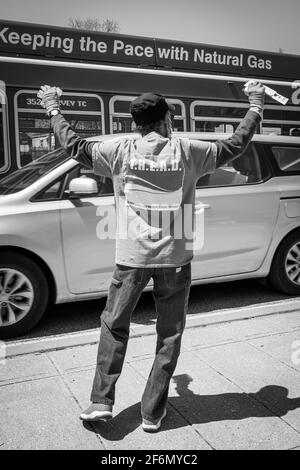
231	61
66	43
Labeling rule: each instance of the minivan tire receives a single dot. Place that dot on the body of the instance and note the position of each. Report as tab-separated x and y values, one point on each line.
25	266
278	276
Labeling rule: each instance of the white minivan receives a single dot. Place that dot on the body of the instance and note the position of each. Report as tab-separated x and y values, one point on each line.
50	252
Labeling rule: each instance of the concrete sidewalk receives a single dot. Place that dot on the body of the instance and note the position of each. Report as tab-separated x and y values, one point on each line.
237	386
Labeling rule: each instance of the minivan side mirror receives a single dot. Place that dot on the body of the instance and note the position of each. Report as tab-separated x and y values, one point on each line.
83	186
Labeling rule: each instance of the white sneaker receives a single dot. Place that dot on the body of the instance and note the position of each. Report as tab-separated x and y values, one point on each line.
97	412
150	426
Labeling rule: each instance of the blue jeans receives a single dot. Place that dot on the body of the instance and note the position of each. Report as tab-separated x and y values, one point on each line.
171	293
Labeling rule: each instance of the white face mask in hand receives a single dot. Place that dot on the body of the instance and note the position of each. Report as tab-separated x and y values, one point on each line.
268	91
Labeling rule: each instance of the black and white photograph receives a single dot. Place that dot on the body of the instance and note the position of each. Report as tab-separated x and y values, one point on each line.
149	228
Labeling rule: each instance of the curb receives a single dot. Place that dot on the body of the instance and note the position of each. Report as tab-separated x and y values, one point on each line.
69	340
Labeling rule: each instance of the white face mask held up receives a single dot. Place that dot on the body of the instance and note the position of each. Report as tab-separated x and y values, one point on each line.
270	92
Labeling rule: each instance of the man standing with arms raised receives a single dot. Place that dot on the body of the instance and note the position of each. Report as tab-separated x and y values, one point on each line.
153	174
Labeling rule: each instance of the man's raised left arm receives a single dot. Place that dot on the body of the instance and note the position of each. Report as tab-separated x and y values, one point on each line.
217	154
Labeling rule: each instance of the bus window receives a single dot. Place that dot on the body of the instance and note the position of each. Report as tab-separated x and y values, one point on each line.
270	129
280	128
225	117
3	133
215	116
34	135
121	119
219	126
225	129
279	120
179	119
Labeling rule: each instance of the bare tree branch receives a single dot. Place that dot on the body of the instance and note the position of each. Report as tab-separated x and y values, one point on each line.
110	26
95	24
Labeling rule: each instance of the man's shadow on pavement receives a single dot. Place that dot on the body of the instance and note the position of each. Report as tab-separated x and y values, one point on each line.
269	401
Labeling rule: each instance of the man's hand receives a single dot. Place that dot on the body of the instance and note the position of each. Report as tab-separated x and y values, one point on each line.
256	94
49	96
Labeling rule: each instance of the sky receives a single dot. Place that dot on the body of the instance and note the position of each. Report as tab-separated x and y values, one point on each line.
268	25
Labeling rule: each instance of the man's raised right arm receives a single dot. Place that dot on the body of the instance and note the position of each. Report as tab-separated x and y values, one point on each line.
93	155
76	147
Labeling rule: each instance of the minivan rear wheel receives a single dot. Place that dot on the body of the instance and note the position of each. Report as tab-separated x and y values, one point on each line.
285	270
24	294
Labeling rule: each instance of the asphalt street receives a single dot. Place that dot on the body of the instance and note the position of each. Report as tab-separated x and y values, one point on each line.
79	316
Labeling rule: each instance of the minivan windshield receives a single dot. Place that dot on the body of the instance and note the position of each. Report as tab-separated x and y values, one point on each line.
29	174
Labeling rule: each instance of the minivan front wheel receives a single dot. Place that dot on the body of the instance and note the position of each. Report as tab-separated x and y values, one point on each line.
24	294
285	271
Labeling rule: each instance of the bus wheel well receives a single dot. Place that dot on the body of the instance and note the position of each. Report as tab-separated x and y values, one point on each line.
40	262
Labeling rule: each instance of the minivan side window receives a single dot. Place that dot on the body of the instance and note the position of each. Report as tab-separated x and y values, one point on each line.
58	189
245	169
287	158
51	193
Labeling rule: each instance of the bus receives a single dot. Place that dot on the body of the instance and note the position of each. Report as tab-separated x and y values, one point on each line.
102	73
